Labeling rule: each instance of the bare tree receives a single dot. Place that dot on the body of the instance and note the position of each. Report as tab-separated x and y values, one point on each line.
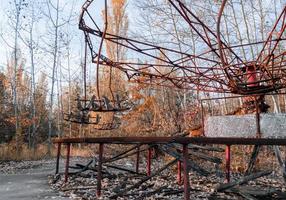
56	23
15	20
27	36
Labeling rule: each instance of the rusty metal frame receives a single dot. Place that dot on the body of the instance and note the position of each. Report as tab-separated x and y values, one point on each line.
184	141
222	74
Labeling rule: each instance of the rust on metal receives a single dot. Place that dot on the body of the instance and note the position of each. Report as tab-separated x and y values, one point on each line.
186	173
185	141
178	140
222	71
227	162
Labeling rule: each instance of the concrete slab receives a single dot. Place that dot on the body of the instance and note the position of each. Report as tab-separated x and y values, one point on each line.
272	125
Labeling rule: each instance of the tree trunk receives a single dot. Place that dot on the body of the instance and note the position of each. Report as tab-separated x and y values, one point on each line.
55	57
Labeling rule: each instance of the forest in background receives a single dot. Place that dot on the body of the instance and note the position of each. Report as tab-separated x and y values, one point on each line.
43	76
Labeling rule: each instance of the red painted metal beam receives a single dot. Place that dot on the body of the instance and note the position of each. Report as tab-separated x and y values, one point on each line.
227	163
186	173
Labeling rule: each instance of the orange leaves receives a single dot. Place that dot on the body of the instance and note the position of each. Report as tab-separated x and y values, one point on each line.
196	132
118	5
23	120
136	96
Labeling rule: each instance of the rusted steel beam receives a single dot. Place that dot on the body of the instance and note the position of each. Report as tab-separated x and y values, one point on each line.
239	96
186	173
99	168
149	157
257	118
243	180
58	157
143	180
227	163
179	140
120	154
176	153
67	162
218	74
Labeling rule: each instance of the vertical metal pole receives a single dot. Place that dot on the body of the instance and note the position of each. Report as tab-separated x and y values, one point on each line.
99	169
258	131
137	159
227	163
58	157
67	161
149	162
203	118
186	173
179	175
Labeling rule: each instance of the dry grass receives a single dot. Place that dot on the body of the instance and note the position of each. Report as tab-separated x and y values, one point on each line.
9	151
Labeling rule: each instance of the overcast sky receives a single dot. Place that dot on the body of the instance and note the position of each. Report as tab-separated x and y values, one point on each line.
43	37
7	34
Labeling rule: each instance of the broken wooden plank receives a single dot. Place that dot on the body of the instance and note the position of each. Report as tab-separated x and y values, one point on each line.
79	188
85	167
195	167
206	157
280	161
252	160
124	169
149	194
280	195
120	168
206	148
143	194
130	154
199	154
143	180
254	191
246	195
91	169
173	192
201	147
121	154
243	180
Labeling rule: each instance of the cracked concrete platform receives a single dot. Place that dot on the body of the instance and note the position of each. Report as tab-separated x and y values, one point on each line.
272	126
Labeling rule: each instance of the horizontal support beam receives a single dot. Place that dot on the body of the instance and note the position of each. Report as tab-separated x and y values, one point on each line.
179	140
